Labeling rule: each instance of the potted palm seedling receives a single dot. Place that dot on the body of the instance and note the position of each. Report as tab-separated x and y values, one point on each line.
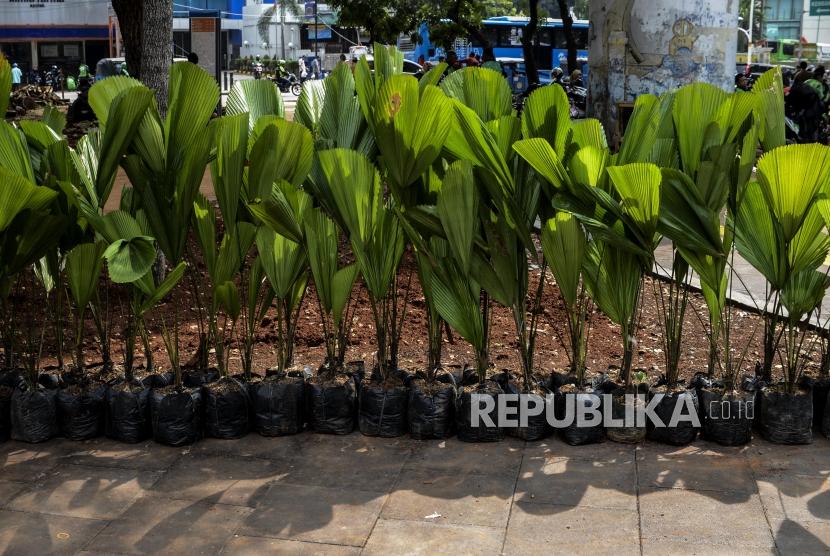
377	241
226	399
165	164
410	121
280	155
504	201
710	179
29	228
130	254
459	300
284	263
618	206
81	403
331	399
564	245
780	231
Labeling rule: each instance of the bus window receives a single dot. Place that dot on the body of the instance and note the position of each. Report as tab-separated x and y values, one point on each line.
491	34
789	49
581	38
544	36
559	38
515	38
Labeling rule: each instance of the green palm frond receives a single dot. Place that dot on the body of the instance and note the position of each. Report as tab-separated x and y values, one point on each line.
547	114
483	90
769	88
255	97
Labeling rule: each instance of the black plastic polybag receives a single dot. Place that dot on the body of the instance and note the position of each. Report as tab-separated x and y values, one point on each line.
382	410
620	404
331	405
786	418
128	412
684	432
430	409
176	415
278	405
727	420
482	431
34	414
227	411
537	425
572	433
81	411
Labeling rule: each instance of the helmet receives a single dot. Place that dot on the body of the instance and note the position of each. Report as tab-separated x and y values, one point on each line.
557	72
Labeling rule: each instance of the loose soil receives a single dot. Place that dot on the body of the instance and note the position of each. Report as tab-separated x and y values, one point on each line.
35	316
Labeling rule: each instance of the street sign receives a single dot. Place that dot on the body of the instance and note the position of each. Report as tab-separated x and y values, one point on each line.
819	7
310	10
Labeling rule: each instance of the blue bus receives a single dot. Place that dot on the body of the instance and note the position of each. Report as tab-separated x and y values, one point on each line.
505	36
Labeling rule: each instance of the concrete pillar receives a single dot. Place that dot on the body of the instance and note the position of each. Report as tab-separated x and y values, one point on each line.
653	46
34	55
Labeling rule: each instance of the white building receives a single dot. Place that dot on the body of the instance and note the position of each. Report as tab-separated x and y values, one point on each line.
284	32
38	34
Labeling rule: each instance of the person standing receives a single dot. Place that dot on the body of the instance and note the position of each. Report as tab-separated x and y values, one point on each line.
303	69
315	68
17	77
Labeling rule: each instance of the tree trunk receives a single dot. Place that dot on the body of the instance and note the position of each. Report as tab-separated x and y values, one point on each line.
527	42
157	53
568	28
130	21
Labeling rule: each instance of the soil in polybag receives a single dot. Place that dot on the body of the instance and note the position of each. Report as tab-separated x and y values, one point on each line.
571	432
81	410
128	412
727	419
621	405
227	409
383	408
484	430
431	408
331	403
537	426
51	379
786	418
195	378
177	415
278	405
34	414
675	399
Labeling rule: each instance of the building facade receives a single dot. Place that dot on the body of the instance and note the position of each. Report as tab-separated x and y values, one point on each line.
794	19
289	30
229	14
38	34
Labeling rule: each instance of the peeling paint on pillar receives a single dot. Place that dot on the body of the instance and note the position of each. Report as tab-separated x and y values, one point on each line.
652	46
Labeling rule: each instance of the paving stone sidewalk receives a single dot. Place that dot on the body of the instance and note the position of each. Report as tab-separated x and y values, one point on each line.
315	494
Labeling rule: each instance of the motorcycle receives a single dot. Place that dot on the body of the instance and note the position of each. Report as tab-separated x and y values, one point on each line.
258	71
288	83
578	97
